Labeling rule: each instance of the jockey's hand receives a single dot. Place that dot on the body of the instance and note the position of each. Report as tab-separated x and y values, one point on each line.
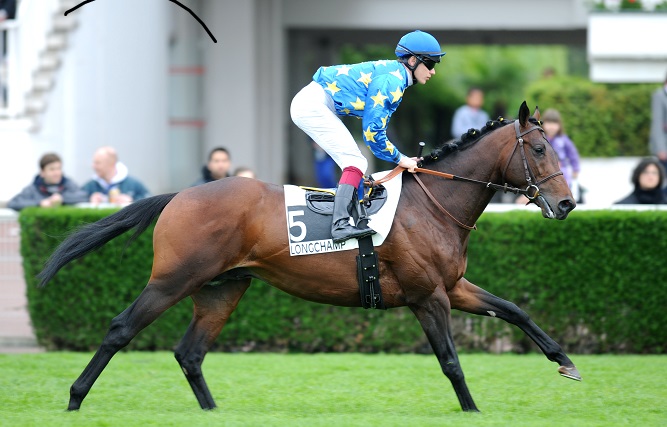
408	163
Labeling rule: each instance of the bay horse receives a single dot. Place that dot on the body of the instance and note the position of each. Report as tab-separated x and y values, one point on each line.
210	241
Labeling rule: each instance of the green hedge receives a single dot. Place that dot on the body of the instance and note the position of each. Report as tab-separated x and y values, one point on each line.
595	282
603	120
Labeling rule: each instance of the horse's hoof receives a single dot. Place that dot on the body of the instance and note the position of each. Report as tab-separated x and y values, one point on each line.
569	372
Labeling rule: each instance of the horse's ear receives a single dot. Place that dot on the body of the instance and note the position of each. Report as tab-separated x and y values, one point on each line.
537	114
524	113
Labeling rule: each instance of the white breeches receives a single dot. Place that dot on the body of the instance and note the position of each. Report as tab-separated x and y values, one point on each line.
313	111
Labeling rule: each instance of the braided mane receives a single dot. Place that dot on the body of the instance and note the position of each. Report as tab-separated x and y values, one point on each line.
467	139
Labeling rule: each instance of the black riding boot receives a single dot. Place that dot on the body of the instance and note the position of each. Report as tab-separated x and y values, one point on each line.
344	202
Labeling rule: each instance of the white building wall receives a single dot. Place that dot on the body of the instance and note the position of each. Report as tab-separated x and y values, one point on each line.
114	89
436	14
627	47
230	79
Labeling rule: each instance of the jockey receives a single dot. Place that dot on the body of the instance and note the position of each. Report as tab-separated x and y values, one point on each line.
370	91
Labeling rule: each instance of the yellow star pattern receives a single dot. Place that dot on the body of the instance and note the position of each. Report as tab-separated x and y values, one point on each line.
332	87
398	94
346	110
368	135
397	74
358	104
379	99
365	78
390	148
384	121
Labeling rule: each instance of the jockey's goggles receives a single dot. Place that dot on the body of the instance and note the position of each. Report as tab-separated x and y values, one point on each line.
428	62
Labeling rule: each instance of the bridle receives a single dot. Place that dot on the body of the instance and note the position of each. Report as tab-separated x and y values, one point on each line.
532	191
526	168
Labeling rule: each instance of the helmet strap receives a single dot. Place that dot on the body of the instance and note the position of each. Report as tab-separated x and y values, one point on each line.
406	61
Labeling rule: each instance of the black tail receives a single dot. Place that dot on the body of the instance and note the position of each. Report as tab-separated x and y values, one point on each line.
139	215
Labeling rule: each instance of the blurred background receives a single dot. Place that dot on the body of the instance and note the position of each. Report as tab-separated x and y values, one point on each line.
145	77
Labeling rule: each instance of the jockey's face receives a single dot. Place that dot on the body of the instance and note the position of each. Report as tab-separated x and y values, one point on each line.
421	73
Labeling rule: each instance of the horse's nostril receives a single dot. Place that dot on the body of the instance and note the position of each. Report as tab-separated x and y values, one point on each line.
566	205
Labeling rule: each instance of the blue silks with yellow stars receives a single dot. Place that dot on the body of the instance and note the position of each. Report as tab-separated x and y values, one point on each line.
371	91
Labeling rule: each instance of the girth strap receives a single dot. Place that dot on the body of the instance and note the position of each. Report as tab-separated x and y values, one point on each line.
368	275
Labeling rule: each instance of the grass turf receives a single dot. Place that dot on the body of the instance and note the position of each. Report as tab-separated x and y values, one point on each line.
148	389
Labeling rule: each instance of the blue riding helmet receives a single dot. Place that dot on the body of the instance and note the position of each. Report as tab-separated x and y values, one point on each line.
419	44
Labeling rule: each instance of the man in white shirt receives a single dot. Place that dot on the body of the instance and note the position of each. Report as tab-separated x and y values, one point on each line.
470	115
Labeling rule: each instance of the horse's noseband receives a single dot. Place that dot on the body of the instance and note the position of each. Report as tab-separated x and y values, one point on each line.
532	190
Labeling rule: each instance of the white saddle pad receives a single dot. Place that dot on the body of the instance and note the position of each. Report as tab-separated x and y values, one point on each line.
309	233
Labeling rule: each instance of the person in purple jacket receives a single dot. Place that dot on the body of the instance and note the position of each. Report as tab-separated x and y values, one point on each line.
568	156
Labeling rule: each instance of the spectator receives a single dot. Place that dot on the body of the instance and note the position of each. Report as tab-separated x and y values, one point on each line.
471	114
648	179
218	166
371	91
548	72
111	182
50	187
245	172
658	138
325	168
568	156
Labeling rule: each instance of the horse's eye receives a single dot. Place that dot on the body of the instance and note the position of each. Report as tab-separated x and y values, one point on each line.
539	150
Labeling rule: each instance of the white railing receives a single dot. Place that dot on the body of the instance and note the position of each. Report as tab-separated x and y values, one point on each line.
508	207
11	270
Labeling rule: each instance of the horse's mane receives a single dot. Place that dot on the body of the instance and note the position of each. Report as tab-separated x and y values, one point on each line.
466	140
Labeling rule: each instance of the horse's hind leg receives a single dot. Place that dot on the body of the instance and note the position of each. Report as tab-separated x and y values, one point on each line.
152	302
468	297
434	314
213	306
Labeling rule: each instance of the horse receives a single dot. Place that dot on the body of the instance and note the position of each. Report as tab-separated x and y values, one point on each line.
209	244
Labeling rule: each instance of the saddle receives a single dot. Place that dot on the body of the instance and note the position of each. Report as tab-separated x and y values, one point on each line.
321	200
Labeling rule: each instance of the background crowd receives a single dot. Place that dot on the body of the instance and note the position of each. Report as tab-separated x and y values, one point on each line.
110	183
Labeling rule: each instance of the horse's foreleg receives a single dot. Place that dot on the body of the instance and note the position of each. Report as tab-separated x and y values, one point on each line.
468	297
433	314
213	306
144	310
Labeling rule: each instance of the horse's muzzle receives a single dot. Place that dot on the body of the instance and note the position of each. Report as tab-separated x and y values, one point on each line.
562	208
565	206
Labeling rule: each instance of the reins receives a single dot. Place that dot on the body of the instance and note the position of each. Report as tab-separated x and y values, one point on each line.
442	208
532	191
